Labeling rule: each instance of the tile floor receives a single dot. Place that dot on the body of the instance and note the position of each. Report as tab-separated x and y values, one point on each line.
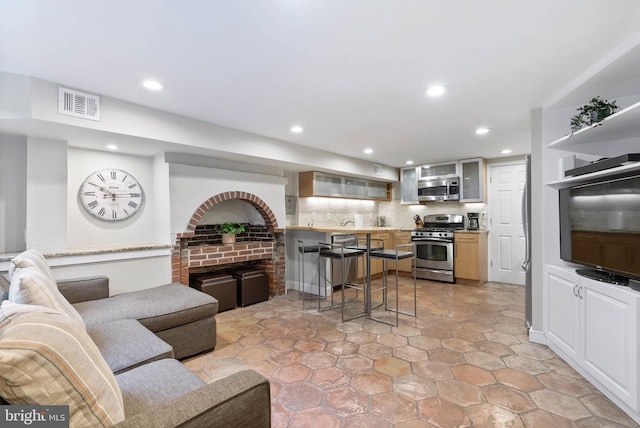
465	360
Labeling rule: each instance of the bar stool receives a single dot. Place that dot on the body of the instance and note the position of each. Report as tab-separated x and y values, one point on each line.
401	252
342	253
302	251
375	244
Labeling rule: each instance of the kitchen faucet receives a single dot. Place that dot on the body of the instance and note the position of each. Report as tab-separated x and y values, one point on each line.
344	223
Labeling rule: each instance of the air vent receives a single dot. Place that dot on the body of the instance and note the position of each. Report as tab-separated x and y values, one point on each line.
377	169
78	104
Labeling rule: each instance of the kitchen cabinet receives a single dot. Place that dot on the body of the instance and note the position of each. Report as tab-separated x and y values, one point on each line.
594	326
470	258
376	264
473	177
409	185
404	266
439	170
312	183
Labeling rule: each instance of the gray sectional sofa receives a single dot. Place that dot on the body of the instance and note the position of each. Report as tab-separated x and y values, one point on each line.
139	335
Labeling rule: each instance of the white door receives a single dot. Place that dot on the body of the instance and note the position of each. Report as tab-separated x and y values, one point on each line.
506	237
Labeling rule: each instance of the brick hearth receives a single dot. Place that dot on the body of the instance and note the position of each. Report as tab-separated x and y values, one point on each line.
186	256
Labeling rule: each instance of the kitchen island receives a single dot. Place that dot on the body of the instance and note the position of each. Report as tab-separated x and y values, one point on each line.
314	235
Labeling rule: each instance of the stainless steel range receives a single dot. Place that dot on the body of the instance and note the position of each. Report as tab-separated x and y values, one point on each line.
434	246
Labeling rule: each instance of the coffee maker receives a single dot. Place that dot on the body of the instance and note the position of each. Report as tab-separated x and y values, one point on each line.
474	223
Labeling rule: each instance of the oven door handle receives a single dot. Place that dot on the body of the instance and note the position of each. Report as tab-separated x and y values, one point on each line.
441	271
433	240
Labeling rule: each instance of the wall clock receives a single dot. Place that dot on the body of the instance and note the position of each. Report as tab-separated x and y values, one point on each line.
111	194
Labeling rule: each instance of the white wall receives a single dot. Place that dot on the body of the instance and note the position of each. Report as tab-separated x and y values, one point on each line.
13	196
190	186
46	194
86	230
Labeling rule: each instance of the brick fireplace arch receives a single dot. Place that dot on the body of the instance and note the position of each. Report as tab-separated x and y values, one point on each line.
269	254
259	204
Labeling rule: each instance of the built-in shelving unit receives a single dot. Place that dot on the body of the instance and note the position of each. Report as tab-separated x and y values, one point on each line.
616	135
584	178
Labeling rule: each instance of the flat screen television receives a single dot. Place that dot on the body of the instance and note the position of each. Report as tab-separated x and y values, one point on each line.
600	228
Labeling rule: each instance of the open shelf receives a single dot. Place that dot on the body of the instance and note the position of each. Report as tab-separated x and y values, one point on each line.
622	127
585	178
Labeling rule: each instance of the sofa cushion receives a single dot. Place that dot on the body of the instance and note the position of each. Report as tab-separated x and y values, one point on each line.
48	358
156	308
126	344
30	286
154	384
31	258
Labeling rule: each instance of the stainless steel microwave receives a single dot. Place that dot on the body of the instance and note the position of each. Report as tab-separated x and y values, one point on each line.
439	189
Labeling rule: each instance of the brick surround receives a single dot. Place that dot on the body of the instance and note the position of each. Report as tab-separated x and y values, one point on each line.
266	254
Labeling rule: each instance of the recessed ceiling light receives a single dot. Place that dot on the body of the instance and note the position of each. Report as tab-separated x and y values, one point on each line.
297	129
153	85
506	151
368	151
112	147
409	162
482	131
436	90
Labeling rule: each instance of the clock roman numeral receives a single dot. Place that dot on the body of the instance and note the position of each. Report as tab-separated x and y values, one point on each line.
134	195
92	204
114	215
89	193
131	186
102	211
100	177
113	175
132	204
125	177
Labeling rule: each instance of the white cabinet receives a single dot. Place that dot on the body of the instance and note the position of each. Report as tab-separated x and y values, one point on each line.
473	180
409	185
596	326
609	336
563	310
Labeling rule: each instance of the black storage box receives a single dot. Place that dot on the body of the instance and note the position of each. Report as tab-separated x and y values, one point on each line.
253	286
220	286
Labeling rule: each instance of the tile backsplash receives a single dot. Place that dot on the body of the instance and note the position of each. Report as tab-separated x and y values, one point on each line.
332	212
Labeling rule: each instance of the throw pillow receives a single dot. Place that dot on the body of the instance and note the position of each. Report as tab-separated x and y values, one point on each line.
46	358
32	287
31	258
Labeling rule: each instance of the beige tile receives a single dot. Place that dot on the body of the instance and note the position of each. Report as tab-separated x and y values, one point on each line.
464	361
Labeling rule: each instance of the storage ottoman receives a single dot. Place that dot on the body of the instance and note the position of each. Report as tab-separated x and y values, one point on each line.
220	286
253	286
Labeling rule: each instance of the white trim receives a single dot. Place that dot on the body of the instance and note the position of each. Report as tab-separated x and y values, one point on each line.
536	336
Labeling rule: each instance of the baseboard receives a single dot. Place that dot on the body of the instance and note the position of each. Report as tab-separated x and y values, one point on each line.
537	337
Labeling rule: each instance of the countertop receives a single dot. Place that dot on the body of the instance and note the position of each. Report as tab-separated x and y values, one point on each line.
339	229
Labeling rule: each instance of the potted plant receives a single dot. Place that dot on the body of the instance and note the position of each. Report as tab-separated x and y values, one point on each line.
593	113
229	231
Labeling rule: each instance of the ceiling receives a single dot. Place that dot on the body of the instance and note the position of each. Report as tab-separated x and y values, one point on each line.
351	72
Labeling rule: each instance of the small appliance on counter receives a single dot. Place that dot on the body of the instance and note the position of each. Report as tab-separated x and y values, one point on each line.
474	221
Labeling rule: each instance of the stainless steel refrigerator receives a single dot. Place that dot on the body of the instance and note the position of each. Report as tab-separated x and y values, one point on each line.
526	225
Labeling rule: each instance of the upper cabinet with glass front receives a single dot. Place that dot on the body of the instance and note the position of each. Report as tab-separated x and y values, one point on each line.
439	170
409	185
312	183
473	177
